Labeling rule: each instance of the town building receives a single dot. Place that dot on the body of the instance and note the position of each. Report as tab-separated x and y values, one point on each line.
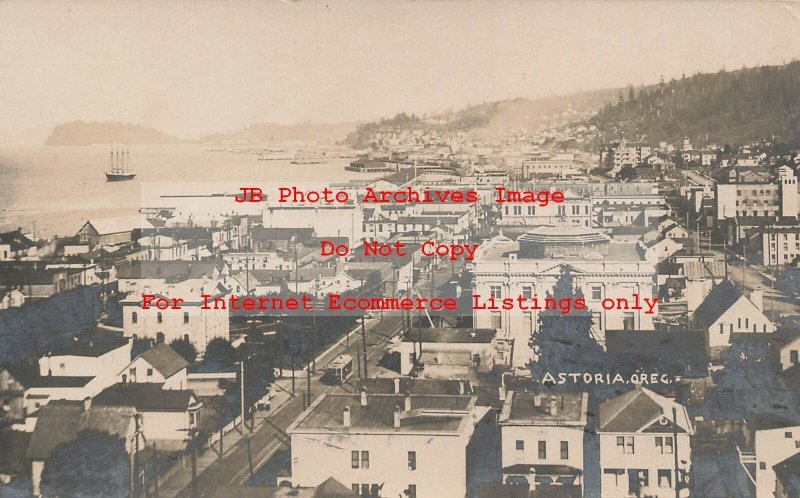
387	445
161	365
445	353
767	441
726	311
542	438
531	266
645	447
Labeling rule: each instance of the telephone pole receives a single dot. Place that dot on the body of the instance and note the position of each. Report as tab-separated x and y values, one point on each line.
364	346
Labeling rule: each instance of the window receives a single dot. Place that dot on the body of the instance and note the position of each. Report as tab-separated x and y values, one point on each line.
185	317
520	447
134	317
787	435
412	460
160	317
664	478
354	459
597	292
664	444
374	490
542	450
762	465
565	450
531	210
412	491
365	459
625	444
562	210
517	210
365	490
62	366
497	320
527	292
149	372
354	487
793	357
627	321
495	291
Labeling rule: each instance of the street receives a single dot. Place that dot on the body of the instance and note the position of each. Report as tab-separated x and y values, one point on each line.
250	452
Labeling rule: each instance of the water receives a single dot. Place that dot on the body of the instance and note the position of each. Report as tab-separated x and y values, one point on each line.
59	188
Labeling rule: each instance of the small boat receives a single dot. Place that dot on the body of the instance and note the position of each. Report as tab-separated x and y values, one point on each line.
119	169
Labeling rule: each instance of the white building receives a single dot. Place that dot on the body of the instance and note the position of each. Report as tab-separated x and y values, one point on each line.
443	353
726	311
768	440
391	445
644	446
602	270
542	438
195	320
159	364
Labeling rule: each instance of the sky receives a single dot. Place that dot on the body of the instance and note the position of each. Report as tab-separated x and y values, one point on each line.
192	68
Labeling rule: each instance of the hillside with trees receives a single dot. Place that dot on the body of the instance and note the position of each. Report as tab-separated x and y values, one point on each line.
735	107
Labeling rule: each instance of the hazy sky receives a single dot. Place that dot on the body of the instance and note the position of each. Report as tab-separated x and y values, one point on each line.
190	68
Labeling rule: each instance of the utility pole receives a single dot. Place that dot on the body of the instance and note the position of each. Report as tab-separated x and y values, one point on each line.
293	377
675	449
192	442
155	469
308	385
364	346
241	391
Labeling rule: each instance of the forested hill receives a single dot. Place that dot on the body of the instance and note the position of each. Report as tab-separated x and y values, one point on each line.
727	107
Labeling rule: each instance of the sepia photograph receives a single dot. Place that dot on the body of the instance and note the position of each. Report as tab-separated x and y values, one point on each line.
399	249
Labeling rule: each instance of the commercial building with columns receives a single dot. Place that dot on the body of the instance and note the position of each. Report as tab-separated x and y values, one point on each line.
531	266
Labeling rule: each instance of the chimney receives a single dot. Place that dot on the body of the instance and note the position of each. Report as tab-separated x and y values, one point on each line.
757	298
346	416
397	385
363	396
502	393
537	399
407	401
87	404
553	405
397	417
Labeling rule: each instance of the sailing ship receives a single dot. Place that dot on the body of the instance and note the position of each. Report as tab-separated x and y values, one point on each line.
119	166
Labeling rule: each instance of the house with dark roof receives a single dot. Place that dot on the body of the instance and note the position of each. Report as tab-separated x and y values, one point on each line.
62	421
542	437
15	245
787	477
447	353
768	440
642	436
166	415
387	444
160	364
726	311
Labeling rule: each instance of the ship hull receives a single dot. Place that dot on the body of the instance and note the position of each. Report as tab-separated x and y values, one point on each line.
119	177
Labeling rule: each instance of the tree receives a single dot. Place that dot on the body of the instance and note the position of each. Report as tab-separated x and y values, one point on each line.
221	351
93	465
627	172
184	348
564	341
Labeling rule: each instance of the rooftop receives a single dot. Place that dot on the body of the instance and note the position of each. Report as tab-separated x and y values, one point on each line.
454	336
529	408
145	397
637	410
429	414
